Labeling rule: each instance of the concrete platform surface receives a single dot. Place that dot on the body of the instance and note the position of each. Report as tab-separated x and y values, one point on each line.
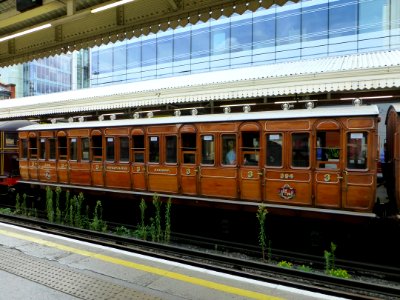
34	265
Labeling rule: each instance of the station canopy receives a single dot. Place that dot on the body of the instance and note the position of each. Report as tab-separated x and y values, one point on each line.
377	71
62	26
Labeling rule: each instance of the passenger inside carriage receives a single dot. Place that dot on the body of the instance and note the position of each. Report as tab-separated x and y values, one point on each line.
230	157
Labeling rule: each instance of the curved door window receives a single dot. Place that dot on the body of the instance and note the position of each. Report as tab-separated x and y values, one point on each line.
188	148
33	150
138	148
62	147
251	148
328	149
357	148
300	150
97	148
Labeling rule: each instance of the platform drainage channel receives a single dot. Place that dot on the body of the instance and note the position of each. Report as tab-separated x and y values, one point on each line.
69	282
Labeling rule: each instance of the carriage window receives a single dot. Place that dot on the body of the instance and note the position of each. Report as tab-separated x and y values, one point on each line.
300	150
110	152
24	148
229	149
32	148
62	147
328	149
171	150
154	149
357	150
85	148
251	148
11	139
274	150
52	148
97	148
138	148
42	148
123	149
189	148
73	149
207	149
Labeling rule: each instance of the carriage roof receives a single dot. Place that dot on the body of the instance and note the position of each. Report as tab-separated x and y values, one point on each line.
319	112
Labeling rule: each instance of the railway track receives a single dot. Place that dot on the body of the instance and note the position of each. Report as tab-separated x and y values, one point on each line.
369	281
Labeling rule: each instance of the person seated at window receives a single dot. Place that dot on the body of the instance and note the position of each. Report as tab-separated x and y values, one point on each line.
250	159
230	157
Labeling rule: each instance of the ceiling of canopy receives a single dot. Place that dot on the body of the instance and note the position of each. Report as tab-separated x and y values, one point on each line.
68	25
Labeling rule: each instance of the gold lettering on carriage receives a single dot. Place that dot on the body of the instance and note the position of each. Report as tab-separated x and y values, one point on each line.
161	170
286	176
117	168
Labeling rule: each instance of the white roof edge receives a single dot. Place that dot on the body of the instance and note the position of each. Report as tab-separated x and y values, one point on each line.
324	112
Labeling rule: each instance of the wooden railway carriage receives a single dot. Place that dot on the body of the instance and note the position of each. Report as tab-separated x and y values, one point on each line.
321	159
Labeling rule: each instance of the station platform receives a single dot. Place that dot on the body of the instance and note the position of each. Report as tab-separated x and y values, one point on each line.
34	265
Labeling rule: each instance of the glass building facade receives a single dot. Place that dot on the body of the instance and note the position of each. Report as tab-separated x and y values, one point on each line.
47	75
295	31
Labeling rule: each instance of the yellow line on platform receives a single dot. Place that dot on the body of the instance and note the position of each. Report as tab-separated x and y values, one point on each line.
145	268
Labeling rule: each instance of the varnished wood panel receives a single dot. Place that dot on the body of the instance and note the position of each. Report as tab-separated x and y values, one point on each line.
138	177
79	173
188	180
116	131
62	171
23	169
287	125
360	123
117	176
162	129
47	171
78	132
219	127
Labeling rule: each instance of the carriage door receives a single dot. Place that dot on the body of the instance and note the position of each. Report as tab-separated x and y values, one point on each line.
188	159
138	168
359	182
96	148
328	171
250	173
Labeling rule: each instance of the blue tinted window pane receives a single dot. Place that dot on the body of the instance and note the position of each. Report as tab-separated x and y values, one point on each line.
95	62
373	15
264	31
149	52
119	58
288	26
164	49
220	37
315	22
241	35
133	55
200	43
182	46
342	18
105	60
